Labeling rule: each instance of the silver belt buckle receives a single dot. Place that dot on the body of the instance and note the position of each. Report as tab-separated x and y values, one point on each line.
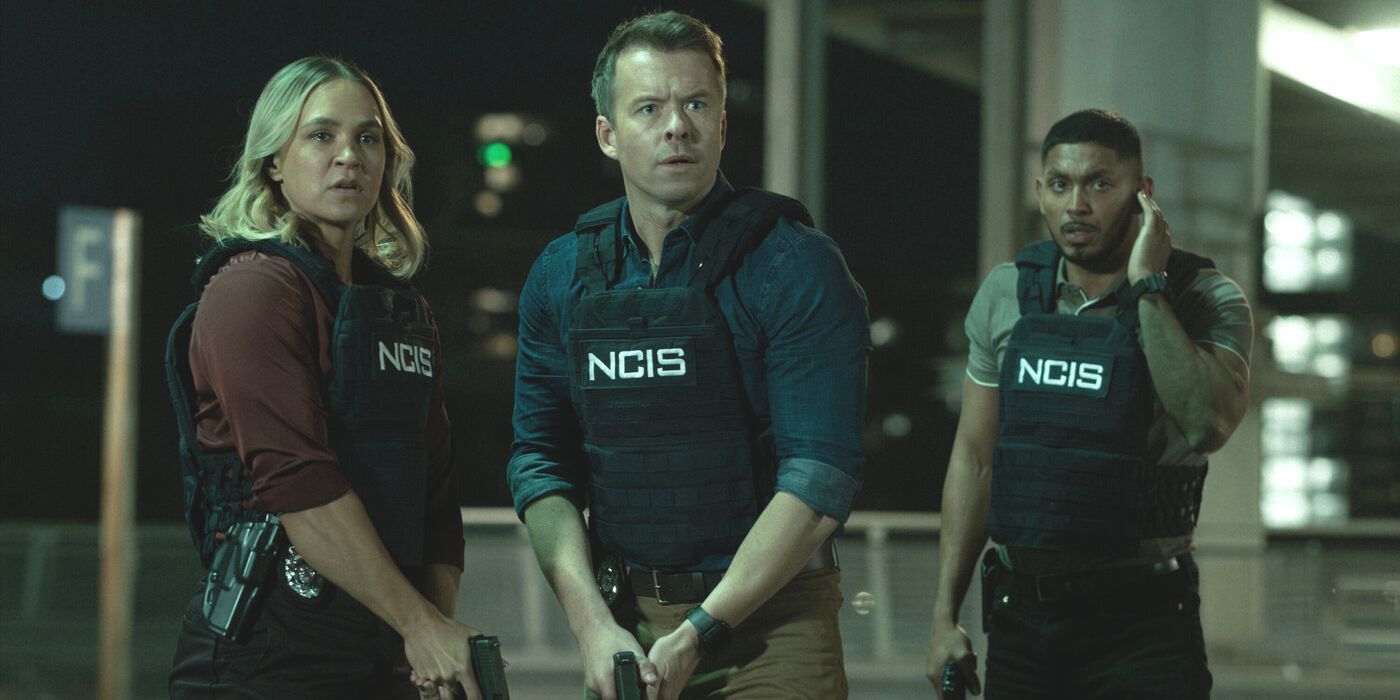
656	589
301	578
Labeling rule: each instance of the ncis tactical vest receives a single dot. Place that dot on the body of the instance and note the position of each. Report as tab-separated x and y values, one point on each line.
377	403
680	465
1075	400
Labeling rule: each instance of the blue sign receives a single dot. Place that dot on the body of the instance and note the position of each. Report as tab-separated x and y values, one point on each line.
85	264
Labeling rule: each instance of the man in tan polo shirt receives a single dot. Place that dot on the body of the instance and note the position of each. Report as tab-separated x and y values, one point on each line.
1104	366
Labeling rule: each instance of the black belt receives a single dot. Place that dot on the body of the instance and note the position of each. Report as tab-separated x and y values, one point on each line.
1086	585
690	587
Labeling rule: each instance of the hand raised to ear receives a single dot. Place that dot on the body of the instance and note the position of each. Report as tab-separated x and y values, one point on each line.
1154	241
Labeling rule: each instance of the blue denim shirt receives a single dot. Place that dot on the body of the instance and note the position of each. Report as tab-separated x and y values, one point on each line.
801	332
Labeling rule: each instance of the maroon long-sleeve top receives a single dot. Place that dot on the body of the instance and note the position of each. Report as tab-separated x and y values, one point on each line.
259	376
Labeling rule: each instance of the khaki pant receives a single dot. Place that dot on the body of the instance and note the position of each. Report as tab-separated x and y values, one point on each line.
789	649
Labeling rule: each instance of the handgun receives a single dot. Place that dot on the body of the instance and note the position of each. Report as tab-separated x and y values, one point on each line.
490	670
627	676
952	685
238	574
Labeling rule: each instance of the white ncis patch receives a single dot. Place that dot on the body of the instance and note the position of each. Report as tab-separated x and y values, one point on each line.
1079	376
404	357
636	363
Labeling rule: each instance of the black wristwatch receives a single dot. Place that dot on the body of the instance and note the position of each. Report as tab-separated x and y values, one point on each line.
714	634
1155	283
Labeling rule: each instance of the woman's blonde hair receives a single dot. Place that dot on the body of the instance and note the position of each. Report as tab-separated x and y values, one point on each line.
253	208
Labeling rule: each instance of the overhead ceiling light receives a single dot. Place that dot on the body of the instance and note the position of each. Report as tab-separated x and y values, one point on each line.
1328	60
1381	45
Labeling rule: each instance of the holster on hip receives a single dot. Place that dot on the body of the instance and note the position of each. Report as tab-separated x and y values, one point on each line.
992	571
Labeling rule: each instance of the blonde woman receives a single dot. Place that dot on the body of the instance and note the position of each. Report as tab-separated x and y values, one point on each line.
316	449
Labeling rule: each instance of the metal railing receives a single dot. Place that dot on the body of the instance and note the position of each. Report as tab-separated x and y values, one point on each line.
1331	604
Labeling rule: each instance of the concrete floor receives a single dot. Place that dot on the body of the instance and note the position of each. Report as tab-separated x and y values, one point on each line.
1332	616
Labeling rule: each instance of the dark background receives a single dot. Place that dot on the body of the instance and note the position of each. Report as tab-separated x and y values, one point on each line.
145	107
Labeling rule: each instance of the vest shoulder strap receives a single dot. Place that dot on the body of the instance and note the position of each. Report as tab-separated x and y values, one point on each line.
735	228
316	268
600	216
180	381
1182	266
179	378
599	245
1036	265
728	231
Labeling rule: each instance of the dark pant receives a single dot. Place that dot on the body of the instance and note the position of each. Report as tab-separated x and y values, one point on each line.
1139	641
331	647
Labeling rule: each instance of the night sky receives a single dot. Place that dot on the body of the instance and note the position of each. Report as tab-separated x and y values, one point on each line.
145	107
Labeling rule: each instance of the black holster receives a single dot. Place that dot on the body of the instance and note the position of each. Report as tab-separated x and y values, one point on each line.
238	575
993	570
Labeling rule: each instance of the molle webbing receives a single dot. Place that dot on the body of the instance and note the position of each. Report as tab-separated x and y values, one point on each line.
383	348
213	484
377	402
1075	400
1038	265
673	447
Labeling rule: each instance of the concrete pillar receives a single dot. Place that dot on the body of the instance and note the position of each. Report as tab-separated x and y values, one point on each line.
1003	126
1187	74
794	149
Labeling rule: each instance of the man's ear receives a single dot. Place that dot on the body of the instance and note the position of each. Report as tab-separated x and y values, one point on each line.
607	138
1147	185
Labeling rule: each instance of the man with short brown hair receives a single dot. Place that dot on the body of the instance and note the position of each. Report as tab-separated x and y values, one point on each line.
692	369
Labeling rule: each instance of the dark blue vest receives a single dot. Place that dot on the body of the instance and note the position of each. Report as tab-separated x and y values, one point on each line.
1075	400
680	465
384	354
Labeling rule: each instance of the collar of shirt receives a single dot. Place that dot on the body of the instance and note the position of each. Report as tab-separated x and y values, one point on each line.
686	231
1074	295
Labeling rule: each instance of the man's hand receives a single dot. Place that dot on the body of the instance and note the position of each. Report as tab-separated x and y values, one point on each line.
950	643
428	690
597	649
1154	241
439	651
675	655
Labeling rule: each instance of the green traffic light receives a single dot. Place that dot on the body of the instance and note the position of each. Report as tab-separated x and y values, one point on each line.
494	154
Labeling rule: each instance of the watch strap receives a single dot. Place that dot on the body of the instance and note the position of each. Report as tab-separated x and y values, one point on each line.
1155	283
714	634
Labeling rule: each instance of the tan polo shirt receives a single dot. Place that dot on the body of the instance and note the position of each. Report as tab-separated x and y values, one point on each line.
1213	311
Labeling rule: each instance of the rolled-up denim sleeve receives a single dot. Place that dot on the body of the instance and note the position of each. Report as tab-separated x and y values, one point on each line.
817	329
546	453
